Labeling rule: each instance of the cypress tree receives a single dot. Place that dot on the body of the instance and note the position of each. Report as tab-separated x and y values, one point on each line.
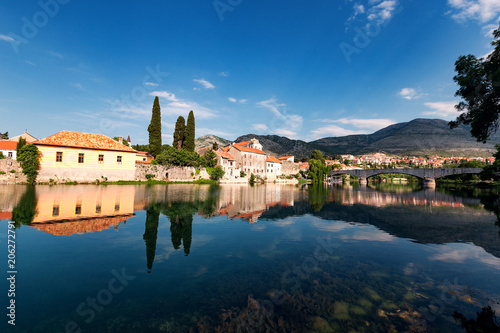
188	143
154	129
180	127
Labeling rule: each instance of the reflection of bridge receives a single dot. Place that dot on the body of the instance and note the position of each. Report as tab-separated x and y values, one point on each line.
429	176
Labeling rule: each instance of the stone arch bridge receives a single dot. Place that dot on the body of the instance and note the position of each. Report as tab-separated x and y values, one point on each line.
429	176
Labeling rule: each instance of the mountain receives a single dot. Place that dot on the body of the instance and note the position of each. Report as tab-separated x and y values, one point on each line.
416	137
207	141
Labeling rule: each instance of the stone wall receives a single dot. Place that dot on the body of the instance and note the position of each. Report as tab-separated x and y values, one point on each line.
161	172
288	168
87	175
7	165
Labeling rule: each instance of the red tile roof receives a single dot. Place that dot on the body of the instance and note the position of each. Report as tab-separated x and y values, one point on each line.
249	150
272	159
226	149
83	140
8	145
285	157
5	215
244	143
143	153
224	154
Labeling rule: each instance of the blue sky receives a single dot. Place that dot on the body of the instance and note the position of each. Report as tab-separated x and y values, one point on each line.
292	68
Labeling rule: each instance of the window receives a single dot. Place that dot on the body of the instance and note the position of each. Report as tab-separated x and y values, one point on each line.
78	209
117	207
118	159
59	156
80	157
55	210
100	159
98	208
10	154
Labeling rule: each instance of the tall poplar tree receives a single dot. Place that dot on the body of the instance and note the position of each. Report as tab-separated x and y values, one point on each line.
180	127
154	129
188	143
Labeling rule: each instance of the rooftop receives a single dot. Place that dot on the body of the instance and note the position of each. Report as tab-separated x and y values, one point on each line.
8	145
83	140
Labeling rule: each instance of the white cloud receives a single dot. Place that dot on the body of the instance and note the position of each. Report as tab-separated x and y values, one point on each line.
152	84
260	127
382	11
176	106
223	74
243	101
164	94
332	130
441	109
373	236
371	124
410	93
234	100
204	83
481	10
231	99
7	38
461	253
282	123
78	86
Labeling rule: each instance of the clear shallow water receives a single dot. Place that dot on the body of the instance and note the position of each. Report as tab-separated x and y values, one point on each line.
266	258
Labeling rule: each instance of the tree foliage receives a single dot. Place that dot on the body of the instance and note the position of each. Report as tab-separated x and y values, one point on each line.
20	144
4	136
189	133
25	210
124	141
180	127
215	146
217	173
154	129
172	156
29	156
479	87
210	158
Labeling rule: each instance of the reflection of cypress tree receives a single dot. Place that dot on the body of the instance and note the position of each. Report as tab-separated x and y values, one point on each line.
25	211
181	228
150	235
187	232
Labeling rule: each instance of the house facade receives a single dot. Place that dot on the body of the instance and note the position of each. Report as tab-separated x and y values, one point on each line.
273	167
8	148
248	159
84	157
228	164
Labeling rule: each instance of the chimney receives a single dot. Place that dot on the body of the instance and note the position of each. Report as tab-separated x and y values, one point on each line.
120	139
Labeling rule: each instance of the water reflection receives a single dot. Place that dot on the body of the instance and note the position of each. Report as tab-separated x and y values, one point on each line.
228	247
485	321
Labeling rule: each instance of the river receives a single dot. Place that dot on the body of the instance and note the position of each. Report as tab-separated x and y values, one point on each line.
229	258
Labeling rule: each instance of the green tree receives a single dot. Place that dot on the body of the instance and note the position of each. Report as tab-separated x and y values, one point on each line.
180	127
20	144
217	173
154	129
172	156
1	156
29	156
210	158
215	146
317	170
479	87
188	142
4	136
317	155
124	141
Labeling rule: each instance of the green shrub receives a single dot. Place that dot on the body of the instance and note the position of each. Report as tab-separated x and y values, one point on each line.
12	171
1	155
150	176
2	172
242	174
252	179
217	173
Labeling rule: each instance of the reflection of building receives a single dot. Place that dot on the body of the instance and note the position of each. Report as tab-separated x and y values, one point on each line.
67	210
75	156
248	203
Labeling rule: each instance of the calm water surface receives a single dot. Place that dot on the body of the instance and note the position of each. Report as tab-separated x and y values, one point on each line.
196	258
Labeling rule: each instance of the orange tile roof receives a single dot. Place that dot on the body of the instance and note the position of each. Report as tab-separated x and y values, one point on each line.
226	149
68	228
272	159
224	154
143	153
83	140
8	145
250	150
244	143
5	215
285	157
